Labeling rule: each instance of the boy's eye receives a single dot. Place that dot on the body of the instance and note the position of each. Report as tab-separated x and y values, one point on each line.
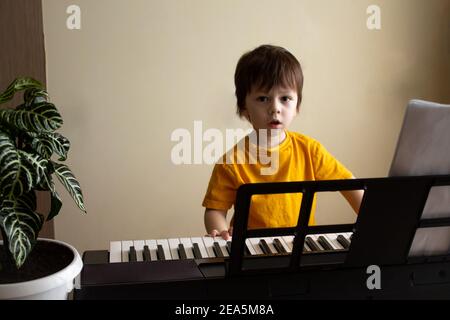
262	99
287	98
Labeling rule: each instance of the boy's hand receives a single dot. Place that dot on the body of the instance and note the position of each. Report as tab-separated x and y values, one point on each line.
225	234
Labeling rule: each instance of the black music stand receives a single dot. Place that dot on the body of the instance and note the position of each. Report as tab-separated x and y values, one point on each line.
390	213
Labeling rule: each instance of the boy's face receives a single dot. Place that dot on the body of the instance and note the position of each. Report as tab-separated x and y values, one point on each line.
273	109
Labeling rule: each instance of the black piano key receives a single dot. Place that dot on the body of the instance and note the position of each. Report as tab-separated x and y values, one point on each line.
325	243
229	247
277	244
306	248
312	244
146	254
264	247
160	252
132	254
343	241
181	251
217	251
197	253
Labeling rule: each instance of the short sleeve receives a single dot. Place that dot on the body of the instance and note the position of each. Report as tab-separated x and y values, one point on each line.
221	192
326	166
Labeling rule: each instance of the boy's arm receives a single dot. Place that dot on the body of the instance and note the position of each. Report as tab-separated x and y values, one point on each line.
354	198
216	223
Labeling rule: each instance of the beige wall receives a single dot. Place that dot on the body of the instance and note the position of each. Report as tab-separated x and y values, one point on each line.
137	70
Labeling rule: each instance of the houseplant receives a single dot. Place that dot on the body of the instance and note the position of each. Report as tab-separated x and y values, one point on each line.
27	143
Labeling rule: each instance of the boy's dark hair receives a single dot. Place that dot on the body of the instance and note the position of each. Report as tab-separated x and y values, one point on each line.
266	67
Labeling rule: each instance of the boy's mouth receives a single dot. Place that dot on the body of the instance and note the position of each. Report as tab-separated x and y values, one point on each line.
275	123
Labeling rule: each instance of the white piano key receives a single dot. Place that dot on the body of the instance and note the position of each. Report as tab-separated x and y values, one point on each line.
153	249
115	251
139	247
173	246
188	247
250	247
289	241
332	238
255	243
201	246
165	244
223	245
208	242
126	244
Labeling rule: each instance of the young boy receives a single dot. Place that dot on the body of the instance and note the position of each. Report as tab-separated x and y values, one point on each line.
269	83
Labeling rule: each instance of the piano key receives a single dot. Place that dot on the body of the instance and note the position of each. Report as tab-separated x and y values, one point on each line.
165	245
229	247
343	241
324	243
146	256
153	249
279	246
139	247
289	241
173	247
125	250
250	248
269	241
197	253
115	251
208	242
312	243
217	251
182	252
264	247
269	247
255	243
160	252
332	238
201	247
188	247
132	254
223	246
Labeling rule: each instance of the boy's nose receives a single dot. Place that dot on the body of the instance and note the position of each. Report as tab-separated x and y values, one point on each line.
274	108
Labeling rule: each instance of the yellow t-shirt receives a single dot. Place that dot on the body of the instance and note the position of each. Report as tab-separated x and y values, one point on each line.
301	158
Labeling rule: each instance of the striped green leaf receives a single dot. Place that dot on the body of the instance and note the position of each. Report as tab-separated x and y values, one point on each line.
9	166
70	183
19	84
9	158
39	117
21	225
34	95
20	171
48	143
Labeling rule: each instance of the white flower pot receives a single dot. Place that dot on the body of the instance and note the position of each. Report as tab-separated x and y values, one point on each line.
53	287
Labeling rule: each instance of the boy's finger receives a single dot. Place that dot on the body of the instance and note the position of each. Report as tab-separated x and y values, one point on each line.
225	235
213	233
